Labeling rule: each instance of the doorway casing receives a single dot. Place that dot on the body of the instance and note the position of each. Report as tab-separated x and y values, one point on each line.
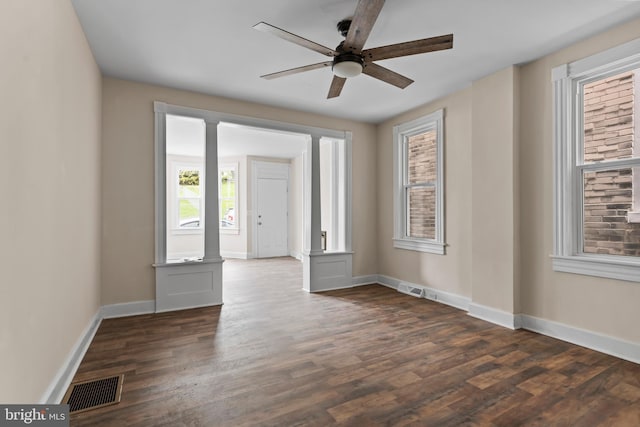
199	283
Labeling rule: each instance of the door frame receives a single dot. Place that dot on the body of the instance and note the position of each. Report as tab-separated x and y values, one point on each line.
261	169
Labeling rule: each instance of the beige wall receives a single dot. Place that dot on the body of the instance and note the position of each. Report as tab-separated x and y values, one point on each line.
450	272
600	305
494	192
127	155
50	191
515	247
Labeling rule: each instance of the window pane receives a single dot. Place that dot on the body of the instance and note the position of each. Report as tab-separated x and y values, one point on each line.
227	184
188	183
189	212
421	208
227	201
608	197
422	157
227	213
608	117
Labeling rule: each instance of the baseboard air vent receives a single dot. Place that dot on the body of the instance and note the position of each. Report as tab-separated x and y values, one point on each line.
414	291
87	395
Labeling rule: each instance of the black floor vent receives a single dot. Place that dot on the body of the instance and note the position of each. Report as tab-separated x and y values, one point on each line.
93	394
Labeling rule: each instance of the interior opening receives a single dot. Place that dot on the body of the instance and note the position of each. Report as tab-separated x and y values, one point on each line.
268	202
185	198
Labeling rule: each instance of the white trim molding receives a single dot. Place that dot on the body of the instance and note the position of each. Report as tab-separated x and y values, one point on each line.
127	309
58	386
495	316
570	166
186	285
296	255
598	266
603	343
327	271
402	186
371	279
454	300
236	255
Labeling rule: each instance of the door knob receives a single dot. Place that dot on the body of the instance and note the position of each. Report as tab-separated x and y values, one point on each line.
260	223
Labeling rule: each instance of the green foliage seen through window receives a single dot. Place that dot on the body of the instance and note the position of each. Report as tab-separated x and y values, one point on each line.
189	177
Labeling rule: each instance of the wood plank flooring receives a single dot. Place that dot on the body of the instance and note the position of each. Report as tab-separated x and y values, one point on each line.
274	355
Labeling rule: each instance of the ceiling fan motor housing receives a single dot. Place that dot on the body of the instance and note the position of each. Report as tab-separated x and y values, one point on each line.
347	64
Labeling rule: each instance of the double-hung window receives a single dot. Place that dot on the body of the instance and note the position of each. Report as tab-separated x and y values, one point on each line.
597	164
189	197
418	184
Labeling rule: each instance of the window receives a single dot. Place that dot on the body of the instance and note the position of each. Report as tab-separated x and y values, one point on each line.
228	196
189	198
597	164
418	194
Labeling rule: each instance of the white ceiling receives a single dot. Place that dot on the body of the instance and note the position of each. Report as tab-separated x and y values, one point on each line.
209	46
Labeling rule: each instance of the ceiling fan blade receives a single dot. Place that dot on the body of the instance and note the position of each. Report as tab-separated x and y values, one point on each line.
300	41
431	44
386	75
336	87
297	70
364	17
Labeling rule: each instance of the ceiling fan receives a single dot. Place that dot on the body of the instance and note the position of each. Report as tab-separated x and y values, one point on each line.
349	59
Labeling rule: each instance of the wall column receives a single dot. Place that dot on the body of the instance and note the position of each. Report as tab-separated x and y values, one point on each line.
312	232
322	271
495	198
211	210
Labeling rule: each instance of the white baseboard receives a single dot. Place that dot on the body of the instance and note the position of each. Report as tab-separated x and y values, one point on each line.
60	383
58	387
237	255
128	309
296	255
493	315
599	342
603	343
447	298
364	280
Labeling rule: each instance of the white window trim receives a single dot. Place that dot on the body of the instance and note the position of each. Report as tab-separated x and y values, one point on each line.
634	214
567	80
401	132
175	226
236	228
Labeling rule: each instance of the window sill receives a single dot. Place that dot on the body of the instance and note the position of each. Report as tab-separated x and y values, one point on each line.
184	231
598	266
420	246
633	217
230	231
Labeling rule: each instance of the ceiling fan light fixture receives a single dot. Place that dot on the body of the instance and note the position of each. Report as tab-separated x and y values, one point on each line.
347	65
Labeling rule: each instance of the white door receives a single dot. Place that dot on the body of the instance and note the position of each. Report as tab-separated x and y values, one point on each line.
272	223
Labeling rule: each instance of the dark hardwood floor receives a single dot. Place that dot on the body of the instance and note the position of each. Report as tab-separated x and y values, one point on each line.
274	355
